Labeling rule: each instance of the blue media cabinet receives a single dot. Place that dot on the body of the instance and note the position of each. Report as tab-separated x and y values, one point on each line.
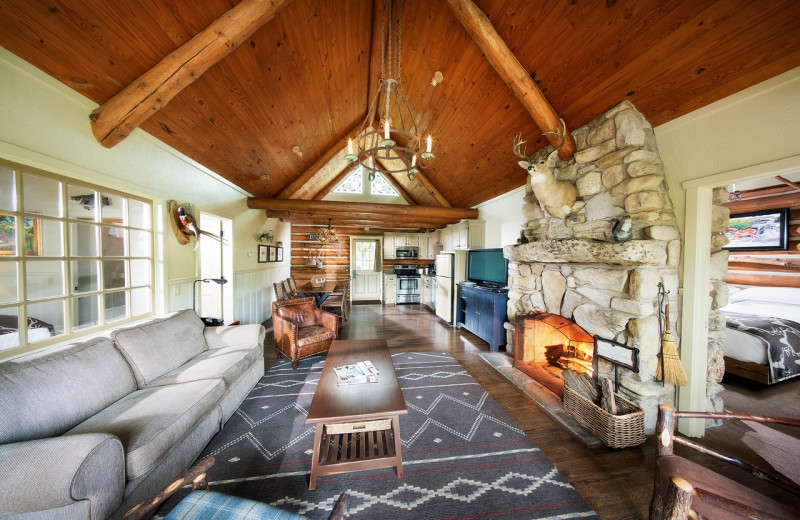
482	311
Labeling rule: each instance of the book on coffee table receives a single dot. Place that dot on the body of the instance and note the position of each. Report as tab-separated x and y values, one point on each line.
356	373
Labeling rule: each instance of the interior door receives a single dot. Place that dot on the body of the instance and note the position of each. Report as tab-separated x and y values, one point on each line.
366	268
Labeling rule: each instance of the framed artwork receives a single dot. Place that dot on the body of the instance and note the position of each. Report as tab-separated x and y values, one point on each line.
262	254
273	253
279	254
766	230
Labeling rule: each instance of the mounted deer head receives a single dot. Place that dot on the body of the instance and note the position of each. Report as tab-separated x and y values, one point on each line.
557	197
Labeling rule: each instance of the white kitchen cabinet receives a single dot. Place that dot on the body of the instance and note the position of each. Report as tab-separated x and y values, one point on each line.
388	246
467	234
389	289
425	294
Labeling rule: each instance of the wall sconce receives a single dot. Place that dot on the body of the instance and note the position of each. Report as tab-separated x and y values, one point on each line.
266	236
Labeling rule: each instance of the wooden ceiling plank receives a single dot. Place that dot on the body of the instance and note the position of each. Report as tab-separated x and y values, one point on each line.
403	193
516	77
370	207
116	118
307	176
425	183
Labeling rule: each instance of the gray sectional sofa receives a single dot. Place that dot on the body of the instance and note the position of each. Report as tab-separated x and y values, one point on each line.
90	429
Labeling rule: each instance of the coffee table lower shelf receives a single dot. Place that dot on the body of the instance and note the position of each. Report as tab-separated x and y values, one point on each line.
345	447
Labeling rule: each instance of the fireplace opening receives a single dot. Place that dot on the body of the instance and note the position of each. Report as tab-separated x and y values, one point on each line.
546	344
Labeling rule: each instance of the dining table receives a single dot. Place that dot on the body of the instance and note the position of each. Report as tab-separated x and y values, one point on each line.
319	292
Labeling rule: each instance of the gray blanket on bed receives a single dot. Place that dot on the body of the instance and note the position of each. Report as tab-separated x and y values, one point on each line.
782	336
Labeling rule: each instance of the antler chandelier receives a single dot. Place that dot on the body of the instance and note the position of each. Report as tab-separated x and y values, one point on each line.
397	146
328	235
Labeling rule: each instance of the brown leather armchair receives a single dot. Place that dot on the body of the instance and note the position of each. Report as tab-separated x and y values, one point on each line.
302	330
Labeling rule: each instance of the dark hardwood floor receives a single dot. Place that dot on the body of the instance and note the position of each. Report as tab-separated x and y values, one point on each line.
616	483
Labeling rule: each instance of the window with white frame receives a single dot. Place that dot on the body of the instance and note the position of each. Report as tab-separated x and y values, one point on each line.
73	256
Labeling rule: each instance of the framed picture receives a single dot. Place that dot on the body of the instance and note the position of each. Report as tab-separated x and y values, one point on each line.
279	254
273	253
766	230
262	254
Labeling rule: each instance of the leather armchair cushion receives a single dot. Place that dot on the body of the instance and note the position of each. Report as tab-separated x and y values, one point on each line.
313	334
301	313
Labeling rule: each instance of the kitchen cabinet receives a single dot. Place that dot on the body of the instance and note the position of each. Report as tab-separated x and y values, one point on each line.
482	311
426	295
467	234
388	246
389	289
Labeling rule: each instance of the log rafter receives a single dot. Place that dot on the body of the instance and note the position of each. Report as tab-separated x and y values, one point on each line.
512	72
115	119
323	206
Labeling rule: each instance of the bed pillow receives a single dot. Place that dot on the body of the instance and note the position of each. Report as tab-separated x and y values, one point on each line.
785	295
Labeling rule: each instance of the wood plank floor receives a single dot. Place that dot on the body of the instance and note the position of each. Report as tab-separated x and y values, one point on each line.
616	483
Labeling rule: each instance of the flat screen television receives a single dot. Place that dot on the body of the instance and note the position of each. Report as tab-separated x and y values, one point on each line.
487	267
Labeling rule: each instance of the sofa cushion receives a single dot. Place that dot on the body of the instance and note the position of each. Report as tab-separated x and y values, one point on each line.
313	334
161	345
152	421
47	393
228	363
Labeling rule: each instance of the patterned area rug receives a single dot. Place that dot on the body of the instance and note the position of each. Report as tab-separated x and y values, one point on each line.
463	457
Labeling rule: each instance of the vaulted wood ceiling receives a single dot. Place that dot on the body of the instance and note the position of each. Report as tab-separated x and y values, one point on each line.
302	80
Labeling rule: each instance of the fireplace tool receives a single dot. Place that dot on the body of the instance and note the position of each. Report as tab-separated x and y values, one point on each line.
669	363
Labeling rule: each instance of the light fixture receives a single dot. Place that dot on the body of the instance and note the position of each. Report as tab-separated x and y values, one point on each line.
396	146
327	235
219	281
734	194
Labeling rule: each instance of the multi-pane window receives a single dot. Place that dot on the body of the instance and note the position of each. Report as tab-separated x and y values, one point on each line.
72	256
365	255
380	186
353	183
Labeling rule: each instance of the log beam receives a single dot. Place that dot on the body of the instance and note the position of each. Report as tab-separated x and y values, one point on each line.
296	186
115	119
512	72
377	224
324	206
355	215
331	185
787	182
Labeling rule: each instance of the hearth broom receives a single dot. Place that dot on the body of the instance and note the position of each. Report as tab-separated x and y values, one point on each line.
669	363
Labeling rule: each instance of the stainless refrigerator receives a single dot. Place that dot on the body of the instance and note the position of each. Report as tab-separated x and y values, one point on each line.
451	268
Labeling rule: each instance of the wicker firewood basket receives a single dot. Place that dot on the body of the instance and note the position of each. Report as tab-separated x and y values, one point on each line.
615	431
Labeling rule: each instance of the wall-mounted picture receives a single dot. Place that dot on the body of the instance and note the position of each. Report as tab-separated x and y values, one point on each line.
279	254
273	253
262	254
766	230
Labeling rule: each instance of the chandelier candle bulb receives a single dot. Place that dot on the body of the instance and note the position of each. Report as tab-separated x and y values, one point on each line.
350	146
413	160
386	130
430	143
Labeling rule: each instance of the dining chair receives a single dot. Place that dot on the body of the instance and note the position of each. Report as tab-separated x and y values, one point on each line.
280	294
289	288
203	504
338	301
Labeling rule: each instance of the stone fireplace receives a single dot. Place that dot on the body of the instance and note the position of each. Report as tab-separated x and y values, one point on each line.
547	344
580	268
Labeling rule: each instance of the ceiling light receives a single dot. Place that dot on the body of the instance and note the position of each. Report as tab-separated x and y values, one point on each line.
437	78
297	151
328	235
396	147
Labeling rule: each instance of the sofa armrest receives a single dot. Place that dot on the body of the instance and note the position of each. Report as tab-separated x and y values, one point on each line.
234	336
55	472
327	320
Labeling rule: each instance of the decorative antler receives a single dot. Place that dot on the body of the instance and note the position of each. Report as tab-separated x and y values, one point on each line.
518	142
561	134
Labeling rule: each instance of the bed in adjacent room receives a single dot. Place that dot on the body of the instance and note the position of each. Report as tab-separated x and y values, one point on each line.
763	333
9	331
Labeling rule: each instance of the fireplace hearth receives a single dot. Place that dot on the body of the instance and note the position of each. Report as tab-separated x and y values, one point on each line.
546	344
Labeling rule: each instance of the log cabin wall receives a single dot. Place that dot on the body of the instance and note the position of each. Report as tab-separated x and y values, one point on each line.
768	268
335	257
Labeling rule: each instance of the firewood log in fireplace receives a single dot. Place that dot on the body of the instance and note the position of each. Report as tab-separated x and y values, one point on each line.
582	383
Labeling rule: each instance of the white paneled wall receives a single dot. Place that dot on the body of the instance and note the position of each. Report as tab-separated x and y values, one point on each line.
253	294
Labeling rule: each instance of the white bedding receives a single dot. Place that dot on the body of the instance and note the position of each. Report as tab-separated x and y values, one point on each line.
777	302
11	340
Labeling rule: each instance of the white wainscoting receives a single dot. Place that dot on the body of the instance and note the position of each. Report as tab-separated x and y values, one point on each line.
253	293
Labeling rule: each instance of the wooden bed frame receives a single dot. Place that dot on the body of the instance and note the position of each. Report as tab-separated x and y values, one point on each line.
747	370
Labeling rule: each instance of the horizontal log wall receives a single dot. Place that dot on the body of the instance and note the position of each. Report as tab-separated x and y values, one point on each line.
769	268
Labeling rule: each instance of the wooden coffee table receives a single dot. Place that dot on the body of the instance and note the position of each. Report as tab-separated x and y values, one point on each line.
357	426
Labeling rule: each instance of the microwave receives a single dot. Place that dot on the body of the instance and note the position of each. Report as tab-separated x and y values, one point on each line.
406	252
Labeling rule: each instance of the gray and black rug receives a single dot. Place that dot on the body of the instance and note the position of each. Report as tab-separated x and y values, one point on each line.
463	457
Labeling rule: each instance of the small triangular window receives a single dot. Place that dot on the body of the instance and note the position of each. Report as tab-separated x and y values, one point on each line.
380	186
353	183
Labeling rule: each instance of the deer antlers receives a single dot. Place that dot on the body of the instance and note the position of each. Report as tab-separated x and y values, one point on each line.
518	142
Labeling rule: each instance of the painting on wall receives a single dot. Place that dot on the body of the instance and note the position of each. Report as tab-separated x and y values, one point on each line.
279	254
765	230
262	254
273	254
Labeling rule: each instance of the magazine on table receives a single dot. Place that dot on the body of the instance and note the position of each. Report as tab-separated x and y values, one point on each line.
356	373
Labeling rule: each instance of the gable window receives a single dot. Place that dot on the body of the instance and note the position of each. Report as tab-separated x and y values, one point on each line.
353	184
72	257
380	186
